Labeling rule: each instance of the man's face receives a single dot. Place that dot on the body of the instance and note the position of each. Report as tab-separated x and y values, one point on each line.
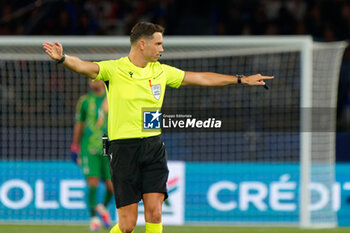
153	47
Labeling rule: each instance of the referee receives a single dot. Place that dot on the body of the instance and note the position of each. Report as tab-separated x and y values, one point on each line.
138	159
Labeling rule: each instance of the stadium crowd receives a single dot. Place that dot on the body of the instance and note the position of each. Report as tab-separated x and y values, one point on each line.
326	20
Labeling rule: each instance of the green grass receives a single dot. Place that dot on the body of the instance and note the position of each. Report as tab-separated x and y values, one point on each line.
167	229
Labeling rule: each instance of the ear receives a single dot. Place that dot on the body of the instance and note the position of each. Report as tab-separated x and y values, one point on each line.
142	43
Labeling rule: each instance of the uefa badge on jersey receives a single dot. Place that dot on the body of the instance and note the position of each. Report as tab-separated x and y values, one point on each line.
156	91
151	119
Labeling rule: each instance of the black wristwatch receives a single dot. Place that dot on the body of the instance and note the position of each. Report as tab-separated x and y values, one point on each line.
239	78
62	59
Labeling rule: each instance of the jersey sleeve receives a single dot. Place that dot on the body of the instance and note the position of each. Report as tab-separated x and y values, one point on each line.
81	109
174	76
105	68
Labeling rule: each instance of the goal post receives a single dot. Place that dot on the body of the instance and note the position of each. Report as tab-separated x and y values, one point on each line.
306	76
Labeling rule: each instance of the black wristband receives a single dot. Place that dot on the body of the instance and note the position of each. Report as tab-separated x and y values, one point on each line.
62	59
239	78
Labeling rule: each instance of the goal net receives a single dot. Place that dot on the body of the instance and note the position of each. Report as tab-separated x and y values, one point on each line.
271	161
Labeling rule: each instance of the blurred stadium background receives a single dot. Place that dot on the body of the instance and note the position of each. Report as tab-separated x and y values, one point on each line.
39	184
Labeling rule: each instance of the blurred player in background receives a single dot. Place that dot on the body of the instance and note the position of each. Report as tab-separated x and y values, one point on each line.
91	124
138	158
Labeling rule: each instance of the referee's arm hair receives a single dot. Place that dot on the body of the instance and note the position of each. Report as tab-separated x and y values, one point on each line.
55	52
213	79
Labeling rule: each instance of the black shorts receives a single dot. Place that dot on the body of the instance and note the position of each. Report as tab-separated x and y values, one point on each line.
138	166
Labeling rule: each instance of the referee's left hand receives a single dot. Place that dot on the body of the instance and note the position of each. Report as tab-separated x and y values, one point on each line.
255	80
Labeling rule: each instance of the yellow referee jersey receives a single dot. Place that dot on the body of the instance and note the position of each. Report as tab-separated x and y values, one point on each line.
130	89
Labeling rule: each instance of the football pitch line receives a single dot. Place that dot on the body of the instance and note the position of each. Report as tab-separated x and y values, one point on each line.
167	229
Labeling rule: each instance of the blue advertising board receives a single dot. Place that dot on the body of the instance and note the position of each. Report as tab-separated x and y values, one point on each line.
240	193
44	192
343	181
263	193
233	193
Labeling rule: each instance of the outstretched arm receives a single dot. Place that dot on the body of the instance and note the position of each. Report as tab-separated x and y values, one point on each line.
55	52
214	79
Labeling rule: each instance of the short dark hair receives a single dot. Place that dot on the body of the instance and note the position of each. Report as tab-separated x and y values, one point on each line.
144	29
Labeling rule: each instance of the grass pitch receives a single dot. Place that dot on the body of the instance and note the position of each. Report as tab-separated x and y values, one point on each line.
167	229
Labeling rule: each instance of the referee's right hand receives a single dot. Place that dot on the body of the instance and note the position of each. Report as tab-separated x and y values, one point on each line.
54	50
